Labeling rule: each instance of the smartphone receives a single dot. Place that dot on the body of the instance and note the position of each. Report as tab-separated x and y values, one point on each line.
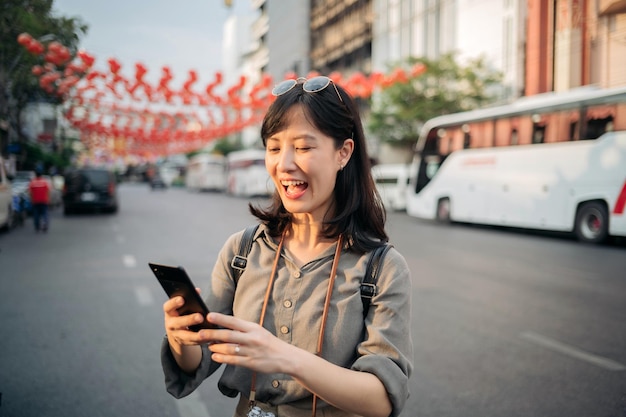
176	282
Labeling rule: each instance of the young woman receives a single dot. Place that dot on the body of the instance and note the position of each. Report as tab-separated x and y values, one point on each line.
292	330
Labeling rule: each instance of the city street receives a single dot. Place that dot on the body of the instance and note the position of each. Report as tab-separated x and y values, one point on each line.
505	323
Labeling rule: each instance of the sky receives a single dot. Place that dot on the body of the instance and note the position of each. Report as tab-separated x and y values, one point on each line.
181	34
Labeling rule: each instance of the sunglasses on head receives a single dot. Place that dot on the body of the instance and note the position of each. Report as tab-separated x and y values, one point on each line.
312	85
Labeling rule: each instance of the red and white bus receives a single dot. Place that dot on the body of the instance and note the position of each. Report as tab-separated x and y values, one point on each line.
554	161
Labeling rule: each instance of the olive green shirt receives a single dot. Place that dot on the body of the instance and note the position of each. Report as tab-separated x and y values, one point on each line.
381	344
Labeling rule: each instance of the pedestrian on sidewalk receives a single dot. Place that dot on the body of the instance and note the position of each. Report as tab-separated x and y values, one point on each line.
40	199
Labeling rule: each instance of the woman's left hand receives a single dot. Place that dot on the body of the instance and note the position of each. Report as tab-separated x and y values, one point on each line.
247	344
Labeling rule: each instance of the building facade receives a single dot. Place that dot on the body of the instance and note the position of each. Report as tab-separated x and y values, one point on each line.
493	29
288	40
341	36
572	43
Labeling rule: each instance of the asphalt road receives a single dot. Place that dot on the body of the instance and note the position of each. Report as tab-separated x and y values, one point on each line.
504	323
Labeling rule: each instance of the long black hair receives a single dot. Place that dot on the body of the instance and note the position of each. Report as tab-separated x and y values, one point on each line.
358	212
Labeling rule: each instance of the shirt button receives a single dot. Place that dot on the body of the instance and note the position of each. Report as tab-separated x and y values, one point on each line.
287	303
284	329
275	383
297	274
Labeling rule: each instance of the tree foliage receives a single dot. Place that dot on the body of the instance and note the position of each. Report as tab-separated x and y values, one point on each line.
400	110
17	84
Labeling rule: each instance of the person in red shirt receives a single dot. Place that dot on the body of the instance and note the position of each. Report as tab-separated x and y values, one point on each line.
40	199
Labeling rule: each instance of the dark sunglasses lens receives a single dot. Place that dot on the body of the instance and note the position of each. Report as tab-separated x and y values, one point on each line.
283	87
316	84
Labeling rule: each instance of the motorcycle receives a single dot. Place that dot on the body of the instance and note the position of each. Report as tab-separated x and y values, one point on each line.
22	208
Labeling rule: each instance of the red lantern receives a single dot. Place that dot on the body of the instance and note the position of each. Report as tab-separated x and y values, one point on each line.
24	39
417	70
35	48
86	58
140	72
114	65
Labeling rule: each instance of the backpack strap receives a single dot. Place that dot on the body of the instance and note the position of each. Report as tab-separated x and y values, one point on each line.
372	271
240	260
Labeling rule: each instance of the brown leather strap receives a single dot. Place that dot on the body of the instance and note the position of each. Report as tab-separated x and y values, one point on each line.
266	300
329	292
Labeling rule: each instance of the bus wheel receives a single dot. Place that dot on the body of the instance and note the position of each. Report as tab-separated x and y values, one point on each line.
592	223
443	210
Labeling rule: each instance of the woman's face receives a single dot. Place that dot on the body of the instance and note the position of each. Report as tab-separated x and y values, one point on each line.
303	163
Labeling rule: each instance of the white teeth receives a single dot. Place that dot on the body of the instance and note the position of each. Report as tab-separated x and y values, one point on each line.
288	183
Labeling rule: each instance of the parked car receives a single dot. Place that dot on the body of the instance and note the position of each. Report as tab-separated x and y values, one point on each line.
92	189
157	182
23	176
6	199
20	181
392	182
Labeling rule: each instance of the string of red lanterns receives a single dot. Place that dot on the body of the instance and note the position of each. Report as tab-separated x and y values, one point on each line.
131	116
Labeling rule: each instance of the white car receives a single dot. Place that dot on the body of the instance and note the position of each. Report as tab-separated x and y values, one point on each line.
392	181
6	199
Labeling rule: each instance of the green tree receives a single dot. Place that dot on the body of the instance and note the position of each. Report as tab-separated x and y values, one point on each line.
400	110
227	145
17	84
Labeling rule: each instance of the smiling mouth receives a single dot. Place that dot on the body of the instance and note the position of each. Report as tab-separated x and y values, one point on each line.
294	188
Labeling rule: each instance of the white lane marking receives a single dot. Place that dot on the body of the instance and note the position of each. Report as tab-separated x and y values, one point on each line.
191	406
129	261
144	295
557	346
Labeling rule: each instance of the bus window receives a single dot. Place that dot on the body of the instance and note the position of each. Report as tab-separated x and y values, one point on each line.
539	133
467	138
598	119
431	142
428	167
514	138
574	130
597	127
431	168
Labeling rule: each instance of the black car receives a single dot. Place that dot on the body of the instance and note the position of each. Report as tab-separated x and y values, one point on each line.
90	189
157	182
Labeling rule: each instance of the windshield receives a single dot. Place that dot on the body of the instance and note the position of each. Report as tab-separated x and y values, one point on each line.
99	178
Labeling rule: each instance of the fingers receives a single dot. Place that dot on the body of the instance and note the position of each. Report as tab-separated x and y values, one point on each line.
171	306
177	329
229	353
230	322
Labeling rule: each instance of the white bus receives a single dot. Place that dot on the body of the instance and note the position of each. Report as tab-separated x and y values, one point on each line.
247	176
554	161
206	172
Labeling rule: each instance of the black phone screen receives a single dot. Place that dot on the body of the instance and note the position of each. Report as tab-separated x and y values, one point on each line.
176	282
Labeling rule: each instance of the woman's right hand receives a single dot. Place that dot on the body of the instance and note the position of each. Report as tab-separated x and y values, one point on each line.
184	343
177	326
